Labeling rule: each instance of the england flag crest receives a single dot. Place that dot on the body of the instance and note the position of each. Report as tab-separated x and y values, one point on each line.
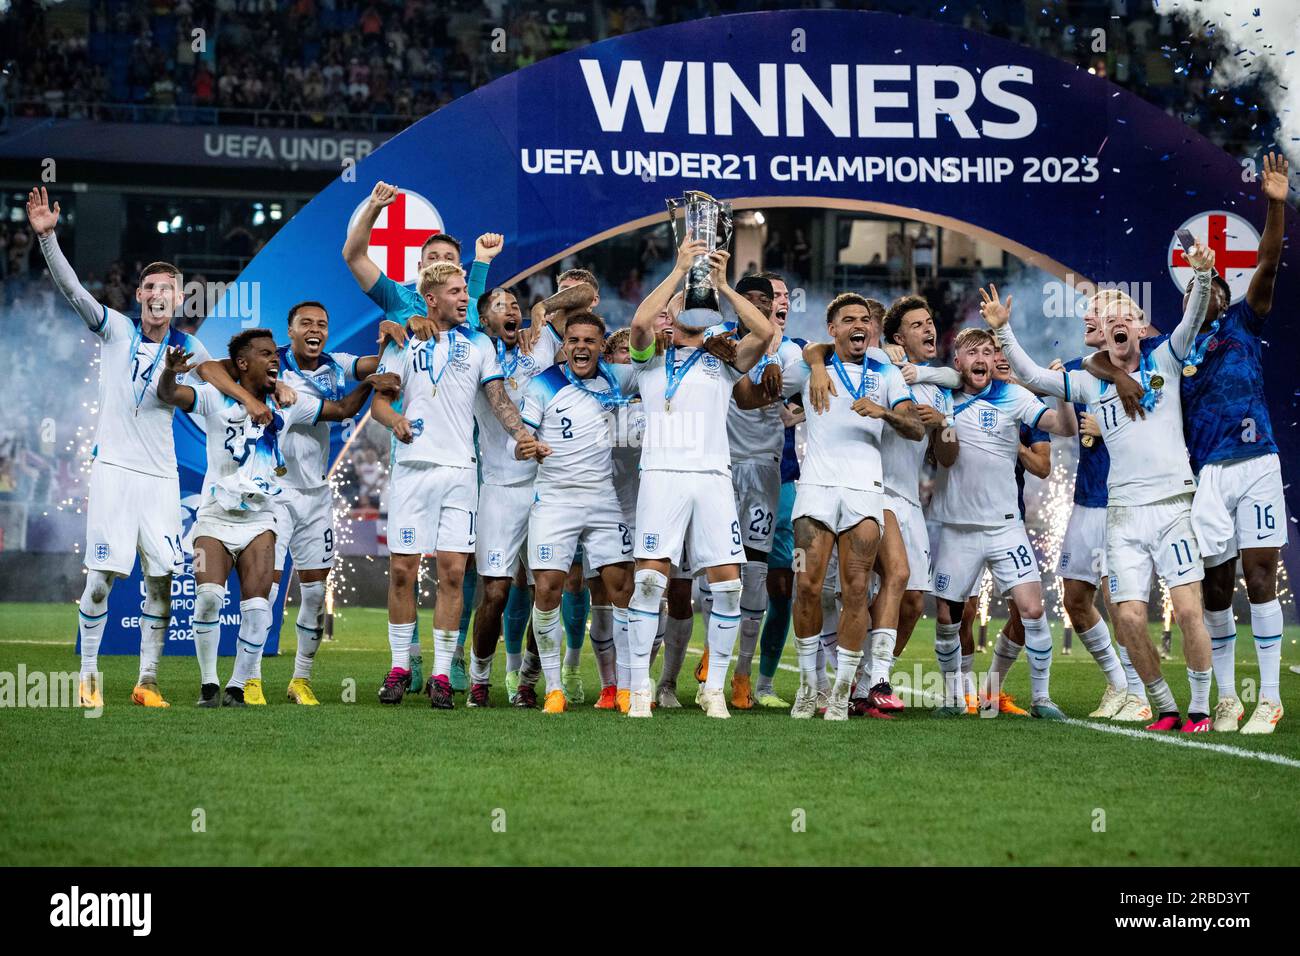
650	542
988	419
494	559
101	551
407	537
941	582
545	552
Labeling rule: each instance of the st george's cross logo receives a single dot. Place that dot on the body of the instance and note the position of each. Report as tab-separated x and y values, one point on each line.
402	228
1236	250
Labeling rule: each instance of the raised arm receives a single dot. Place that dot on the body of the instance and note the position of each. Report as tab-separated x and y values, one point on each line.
753	346
997	314
1274	183
175	362
1201	258
357	244
643	322
43	218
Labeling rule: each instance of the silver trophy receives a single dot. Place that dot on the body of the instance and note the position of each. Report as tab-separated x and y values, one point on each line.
708	220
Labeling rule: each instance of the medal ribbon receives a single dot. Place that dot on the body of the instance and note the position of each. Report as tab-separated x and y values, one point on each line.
842	372
508	369
672	373
1202	344
610	399
334	391
1146	368
172	338
451	349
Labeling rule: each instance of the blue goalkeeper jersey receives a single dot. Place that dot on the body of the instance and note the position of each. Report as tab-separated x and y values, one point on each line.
400	302
1225	412
1029	437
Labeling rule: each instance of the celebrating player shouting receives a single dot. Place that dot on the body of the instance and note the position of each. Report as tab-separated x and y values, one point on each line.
686	499
433	491
236	523
1149	487
574	497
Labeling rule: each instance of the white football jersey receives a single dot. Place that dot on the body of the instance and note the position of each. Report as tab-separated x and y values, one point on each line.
979	490
757	434
306	448
1148	456
495	444
242	455
440	382
692	435
843	448
902	458
628	436
135	426
572	421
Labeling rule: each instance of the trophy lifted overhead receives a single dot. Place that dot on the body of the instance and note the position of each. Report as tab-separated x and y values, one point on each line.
708	220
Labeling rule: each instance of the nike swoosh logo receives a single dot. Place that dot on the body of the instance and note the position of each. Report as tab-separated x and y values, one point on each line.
1261	537
561	411
1183	571
726	627
1022	574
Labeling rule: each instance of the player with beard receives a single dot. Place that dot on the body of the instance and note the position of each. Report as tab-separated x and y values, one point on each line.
134	496
1150	485
236	523
433	491
506	491
756	437
840	503
981	524
575	502
686	503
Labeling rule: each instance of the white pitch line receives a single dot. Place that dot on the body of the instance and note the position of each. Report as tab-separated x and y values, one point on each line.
44	643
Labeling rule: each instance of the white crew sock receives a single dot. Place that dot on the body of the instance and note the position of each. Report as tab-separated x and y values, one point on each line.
444	651
642	617
1038	647
947	650
548	631
809	650
1097	640
400	640
92	615
310	626
1266	625
1135	685
677	637
480	668
753	604
882	654
155	615
724	627
1223	649
206	622
602	642
846	671
1004	655
254	619
1162	698
1199	681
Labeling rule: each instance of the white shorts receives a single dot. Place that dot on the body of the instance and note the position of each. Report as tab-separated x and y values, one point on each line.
692	510
431	508
502	528
129	513
1083	549
916	538
758	495
561	519
234	536
1239	505
964	552
627	486
1142	540
831	582
304	527
837	508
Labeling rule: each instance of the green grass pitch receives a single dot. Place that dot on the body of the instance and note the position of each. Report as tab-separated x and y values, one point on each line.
359	783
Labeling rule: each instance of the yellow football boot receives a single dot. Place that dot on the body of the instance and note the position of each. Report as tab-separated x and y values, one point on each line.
253	695
555	702
148	695
300	692
624	700
89	693
702	668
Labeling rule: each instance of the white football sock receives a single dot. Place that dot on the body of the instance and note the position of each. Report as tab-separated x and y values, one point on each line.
548	631
270	599
1162	698
91	617
1135	685
724	627
677	637
630	672
968	675
1266	625
514	662
846	671
310	626
400	641
642	624
1038	647
1199	681
206	623
1097	640
602	642
1223	649
882	654
530	666
444	651
254	619
155	615
809	649
660	630
1004	655
753	603
480	668
947	650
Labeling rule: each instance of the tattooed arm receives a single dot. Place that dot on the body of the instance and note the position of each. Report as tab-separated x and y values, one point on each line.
505	410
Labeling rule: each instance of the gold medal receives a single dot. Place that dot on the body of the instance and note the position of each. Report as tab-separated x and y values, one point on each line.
1157	381
512	383
434	391
1189	371
668	405
280	471
1088	441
